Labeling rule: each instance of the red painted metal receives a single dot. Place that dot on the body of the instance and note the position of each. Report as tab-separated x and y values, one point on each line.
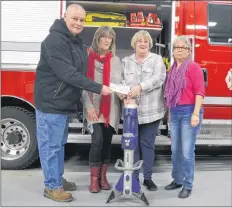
217	112
217	59
19	84
61	8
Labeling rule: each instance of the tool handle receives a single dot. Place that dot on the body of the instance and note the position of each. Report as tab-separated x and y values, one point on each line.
121	167
138	165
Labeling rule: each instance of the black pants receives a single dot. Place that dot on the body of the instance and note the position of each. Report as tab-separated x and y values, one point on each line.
100	151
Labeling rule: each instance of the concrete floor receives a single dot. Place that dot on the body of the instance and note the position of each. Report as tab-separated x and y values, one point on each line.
212	186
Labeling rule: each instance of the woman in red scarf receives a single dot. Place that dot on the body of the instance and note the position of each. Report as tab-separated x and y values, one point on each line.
102	113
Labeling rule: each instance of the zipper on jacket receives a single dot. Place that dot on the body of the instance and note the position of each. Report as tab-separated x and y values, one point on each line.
57	91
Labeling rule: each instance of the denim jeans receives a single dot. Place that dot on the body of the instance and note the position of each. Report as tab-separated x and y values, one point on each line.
183	139
146	144
52	134
100	150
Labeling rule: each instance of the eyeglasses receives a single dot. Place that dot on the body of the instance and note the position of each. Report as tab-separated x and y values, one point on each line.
107	37
180	48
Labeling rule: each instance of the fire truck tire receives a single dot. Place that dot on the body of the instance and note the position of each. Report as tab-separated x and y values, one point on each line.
18	138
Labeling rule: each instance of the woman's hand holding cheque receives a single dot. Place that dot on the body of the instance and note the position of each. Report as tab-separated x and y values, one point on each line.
132	94
135	91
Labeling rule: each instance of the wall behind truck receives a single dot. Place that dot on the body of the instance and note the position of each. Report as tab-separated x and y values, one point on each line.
24	26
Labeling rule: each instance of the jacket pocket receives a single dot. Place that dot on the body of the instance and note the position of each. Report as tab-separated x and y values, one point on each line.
129	77
147	73
58	89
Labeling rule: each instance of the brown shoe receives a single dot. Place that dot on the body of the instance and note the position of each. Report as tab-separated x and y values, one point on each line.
58	195
68	186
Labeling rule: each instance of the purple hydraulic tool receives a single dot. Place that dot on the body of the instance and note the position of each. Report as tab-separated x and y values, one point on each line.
128	184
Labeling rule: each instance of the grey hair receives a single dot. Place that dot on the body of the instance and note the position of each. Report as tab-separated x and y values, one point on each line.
144	34
100	32
183	38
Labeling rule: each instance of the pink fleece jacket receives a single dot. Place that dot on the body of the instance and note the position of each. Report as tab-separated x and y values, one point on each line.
194	84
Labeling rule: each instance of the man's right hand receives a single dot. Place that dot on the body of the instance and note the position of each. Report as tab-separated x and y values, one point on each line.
106	90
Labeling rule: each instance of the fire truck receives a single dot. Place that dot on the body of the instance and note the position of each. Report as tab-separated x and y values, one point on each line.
26	23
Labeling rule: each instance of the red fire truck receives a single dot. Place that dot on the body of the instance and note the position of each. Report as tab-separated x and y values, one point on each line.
26	23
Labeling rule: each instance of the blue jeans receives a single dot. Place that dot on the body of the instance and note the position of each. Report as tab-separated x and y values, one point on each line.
52	134
146	144
183	139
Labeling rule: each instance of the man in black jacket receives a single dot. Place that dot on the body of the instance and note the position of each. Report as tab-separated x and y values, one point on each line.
60	78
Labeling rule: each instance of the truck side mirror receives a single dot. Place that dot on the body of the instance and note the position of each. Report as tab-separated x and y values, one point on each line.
205	72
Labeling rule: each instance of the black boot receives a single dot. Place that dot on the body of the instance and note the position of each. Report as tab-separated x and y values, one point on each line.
150	185
173	185
185	193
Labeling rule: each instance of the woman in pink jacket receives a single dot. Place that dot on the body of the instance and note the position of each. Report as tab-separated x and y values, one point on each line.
184	93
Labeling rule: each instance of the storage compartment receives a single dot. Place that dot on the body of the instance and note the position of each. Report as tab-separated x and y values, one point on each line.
127	18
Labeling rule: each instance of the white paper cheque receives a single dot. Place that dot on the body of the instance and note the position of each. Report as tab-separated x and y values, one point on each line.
119	88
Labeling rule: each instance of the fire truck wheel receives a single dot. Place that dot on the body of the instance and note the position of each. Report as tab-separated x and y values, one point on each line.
18	138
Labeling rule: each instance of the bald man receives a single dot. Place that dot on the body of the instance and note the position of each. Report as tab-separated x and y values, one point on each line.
60	78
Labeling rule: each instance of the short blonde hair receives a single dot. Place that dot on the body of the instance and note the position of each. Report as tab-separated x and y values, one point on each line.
145	35
100	32
183	38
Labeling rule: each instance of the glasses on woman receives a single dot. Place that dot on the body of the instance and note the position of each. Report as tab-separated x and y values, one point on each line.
180	48
107	37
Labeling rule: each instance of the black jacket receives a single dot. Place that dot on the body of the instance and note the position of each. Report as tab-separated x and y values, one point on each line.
60	74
